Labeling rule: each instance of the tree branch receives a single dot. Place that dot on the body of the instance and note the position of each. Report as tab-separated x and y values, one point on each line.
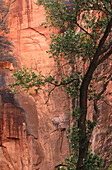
109	1
64	165
108	12
104	57
83	97
102	41
95	116
50	94
106	49
65	83
105	86
84	30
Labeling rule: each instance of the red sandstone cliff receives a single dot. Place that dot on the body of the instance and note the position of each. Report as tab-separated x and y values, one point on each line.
31	132
31	135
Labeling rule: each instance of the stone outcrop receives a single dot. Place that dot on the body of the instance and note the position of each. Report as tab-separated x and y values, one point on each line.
29	138
32	133
102	134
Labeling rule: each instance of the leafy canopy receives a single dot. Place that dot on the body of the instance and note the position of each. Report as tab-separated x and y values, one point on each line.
82	48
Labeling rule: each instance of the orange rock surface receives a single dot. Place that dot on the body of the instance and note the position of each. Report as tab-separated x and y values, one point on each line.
32	133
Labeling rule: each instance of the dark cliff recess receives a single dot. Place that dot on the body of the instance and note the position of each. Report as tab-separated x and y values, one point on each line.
11	115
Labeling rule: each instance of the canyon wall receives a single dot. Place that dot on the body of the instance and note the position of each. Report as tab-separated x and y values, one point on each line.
33	132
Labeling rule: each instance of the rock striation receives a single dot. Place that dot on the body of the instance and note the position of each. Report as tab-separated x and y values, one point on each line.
32	133
29	138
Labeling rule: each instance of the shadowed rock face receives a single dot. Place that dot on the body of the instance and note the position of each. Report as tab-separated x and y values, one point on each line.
32	133
102	134
29	140
19	146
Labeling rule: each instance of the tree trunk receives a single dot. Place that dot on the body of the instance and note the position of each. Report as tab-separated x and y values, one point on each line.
83	140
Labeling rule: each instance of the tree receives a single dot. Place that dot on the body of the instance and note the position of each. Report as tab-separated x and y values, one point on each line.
84	38
5	44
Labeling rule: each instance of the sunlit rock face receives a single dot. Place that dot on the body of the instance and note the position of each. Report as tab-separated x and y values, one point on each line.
32	133
18	127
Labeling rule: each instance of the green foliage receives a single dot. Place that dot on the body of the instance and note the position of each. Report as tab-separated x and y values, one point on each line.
27	79
93	161
83	42
90	127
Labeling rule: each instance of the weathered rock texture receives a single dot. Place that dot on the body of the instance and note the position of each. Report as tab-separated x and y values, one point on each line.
32	133
102	134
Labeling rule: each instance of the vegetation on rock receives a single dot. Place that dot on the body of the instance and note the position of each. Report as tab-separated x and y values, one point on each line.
82	49
5	44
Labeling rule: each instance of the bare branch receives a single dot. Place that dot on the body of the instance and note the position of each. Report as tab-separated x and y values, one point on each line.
104	87
106	8
106	48
85	31
50	94
107	103
95	116
104	57
109	1
103	39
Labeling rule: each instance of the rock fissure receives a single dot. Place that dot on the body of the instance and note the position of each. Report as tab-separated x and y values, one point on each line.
35	30
33	134
35	42
13	138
